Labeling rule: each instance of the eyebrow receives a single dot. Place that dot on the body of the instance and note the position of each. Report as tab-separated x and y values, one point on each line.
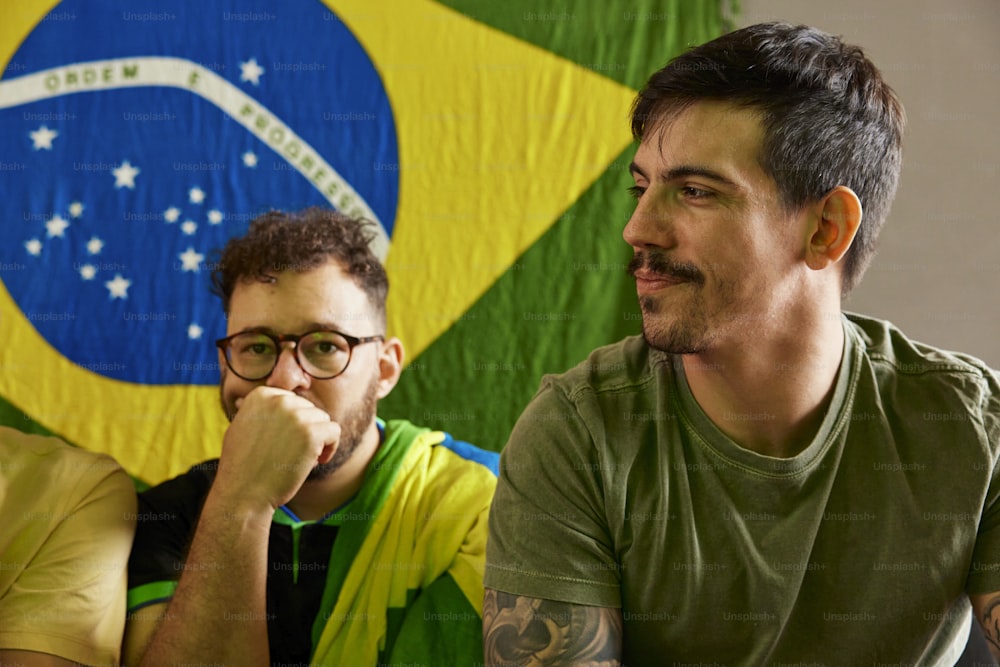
687	170
312	326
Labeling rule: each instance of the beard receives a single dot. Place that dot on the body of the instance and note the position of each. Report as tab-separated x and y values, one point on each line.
353	425
669	334
678	329
352	429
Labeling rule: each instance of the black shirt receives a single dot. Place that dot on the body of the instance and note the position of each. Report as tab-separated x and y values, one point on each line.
298	556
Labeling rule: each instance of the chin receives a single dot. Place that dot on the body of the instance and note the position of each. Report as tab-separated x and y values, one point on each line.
667	332
322	471
672	339
348	445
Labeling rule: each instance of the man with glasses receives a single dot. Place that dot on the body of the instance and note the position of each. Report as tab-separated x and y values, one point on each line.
322	535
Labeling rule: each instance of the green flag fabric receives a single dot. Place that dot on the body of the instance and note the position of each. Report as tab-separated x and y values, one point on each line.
568	293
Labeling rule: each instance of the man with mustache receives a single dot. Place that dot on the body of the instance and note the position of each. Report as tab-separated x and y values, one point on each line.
322	535
759	479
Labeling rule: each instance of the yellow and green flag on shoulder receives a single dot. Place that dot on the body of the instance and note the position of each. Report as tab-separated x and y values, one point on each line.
489	141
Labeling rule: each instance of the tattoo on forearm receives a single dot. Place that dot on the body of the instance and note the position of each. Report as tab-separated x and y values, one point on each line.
528	632
991	624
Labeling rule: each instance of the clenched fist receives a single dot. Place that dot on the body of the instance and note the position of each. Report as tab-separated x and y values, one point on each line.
273	442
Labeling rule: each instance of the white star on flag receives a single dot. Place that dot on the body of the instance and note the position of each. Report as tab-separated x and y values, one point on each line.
172	214
88	271
125	175
189	227
250	159
42	138
251	71
118	288
194	331
214	217
196	195
191	260
34	247
76	209
94	245
56	226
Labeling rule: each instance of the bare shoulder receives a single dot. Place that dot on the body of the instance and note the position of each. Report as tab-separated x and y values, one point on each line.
521	630
987	610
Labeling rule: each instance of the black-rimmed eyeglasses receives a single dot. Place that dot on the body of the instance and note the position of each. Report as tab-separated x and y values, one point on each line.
323	354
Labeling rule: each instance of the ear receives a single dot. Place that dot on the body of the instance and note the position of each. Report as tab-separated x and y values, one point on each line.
838	218
390	365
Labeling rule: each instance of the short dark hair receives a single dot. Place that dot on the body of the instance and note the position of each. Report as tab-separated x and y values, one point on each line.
829	118
300	241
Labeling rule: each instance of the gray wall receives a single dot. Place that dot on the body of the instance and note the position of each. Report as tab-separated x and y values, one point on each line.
937	275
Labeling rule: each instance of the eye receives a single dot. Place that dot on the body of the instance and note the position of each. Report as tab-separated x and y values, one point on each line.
692	192
252	345
636	191
324	344
324	347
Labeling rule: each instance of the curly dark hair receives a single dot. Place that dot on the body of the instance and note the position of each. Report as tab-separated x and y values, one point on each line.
300	241
829	118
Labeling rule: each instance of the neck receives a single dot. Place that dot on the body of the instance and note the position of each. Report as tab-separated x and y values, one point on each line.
317	498
769	393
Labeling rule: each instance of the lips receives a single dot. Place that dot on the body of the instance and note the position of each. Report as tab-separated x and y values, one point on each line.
647	282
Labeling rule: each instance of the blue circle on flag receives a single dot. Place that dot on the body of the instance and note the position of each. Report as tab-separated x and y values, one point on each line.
150	134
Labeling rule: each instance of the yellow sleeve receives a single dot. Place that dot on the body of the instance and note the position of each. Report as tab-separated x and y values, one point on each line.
67	593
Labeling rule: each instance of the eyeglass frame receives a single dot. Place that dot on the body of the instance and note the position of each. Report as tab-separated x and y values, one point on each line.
278	339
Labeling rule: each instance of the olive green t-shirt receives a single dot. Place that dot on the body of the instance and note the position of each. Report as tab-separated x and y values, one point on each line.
616	490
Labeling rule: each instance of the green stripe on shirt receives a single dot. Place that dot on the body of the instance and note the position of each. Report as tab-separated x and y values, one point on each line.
147	594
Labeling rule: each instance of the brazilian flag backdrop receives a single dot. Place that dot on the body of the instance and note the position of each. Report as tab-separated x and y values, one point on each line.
489	141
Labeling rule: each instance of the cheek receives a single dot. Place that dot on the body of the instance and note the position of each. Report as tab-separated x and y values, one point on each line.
232	387
332	399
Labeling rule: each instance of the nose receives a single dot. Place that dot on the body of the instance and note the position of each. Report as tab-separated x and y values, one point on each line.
287	373
650	224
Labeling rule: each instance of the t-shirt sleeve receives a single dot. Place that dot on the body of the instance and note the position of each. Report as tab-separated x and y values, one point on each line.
69	601
548	532
166	520
984	573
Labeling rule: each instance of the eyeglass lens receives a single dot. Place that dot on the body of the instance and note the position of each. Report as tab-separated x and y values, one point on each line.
322	354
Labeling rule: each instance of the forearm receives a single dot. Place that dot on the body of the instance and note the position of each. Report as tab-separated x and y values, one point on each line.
991	628
525	631
986	609
218	613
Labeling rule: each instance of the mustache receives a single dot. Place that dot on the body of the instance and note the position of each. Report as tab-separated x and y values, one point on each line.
655	262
